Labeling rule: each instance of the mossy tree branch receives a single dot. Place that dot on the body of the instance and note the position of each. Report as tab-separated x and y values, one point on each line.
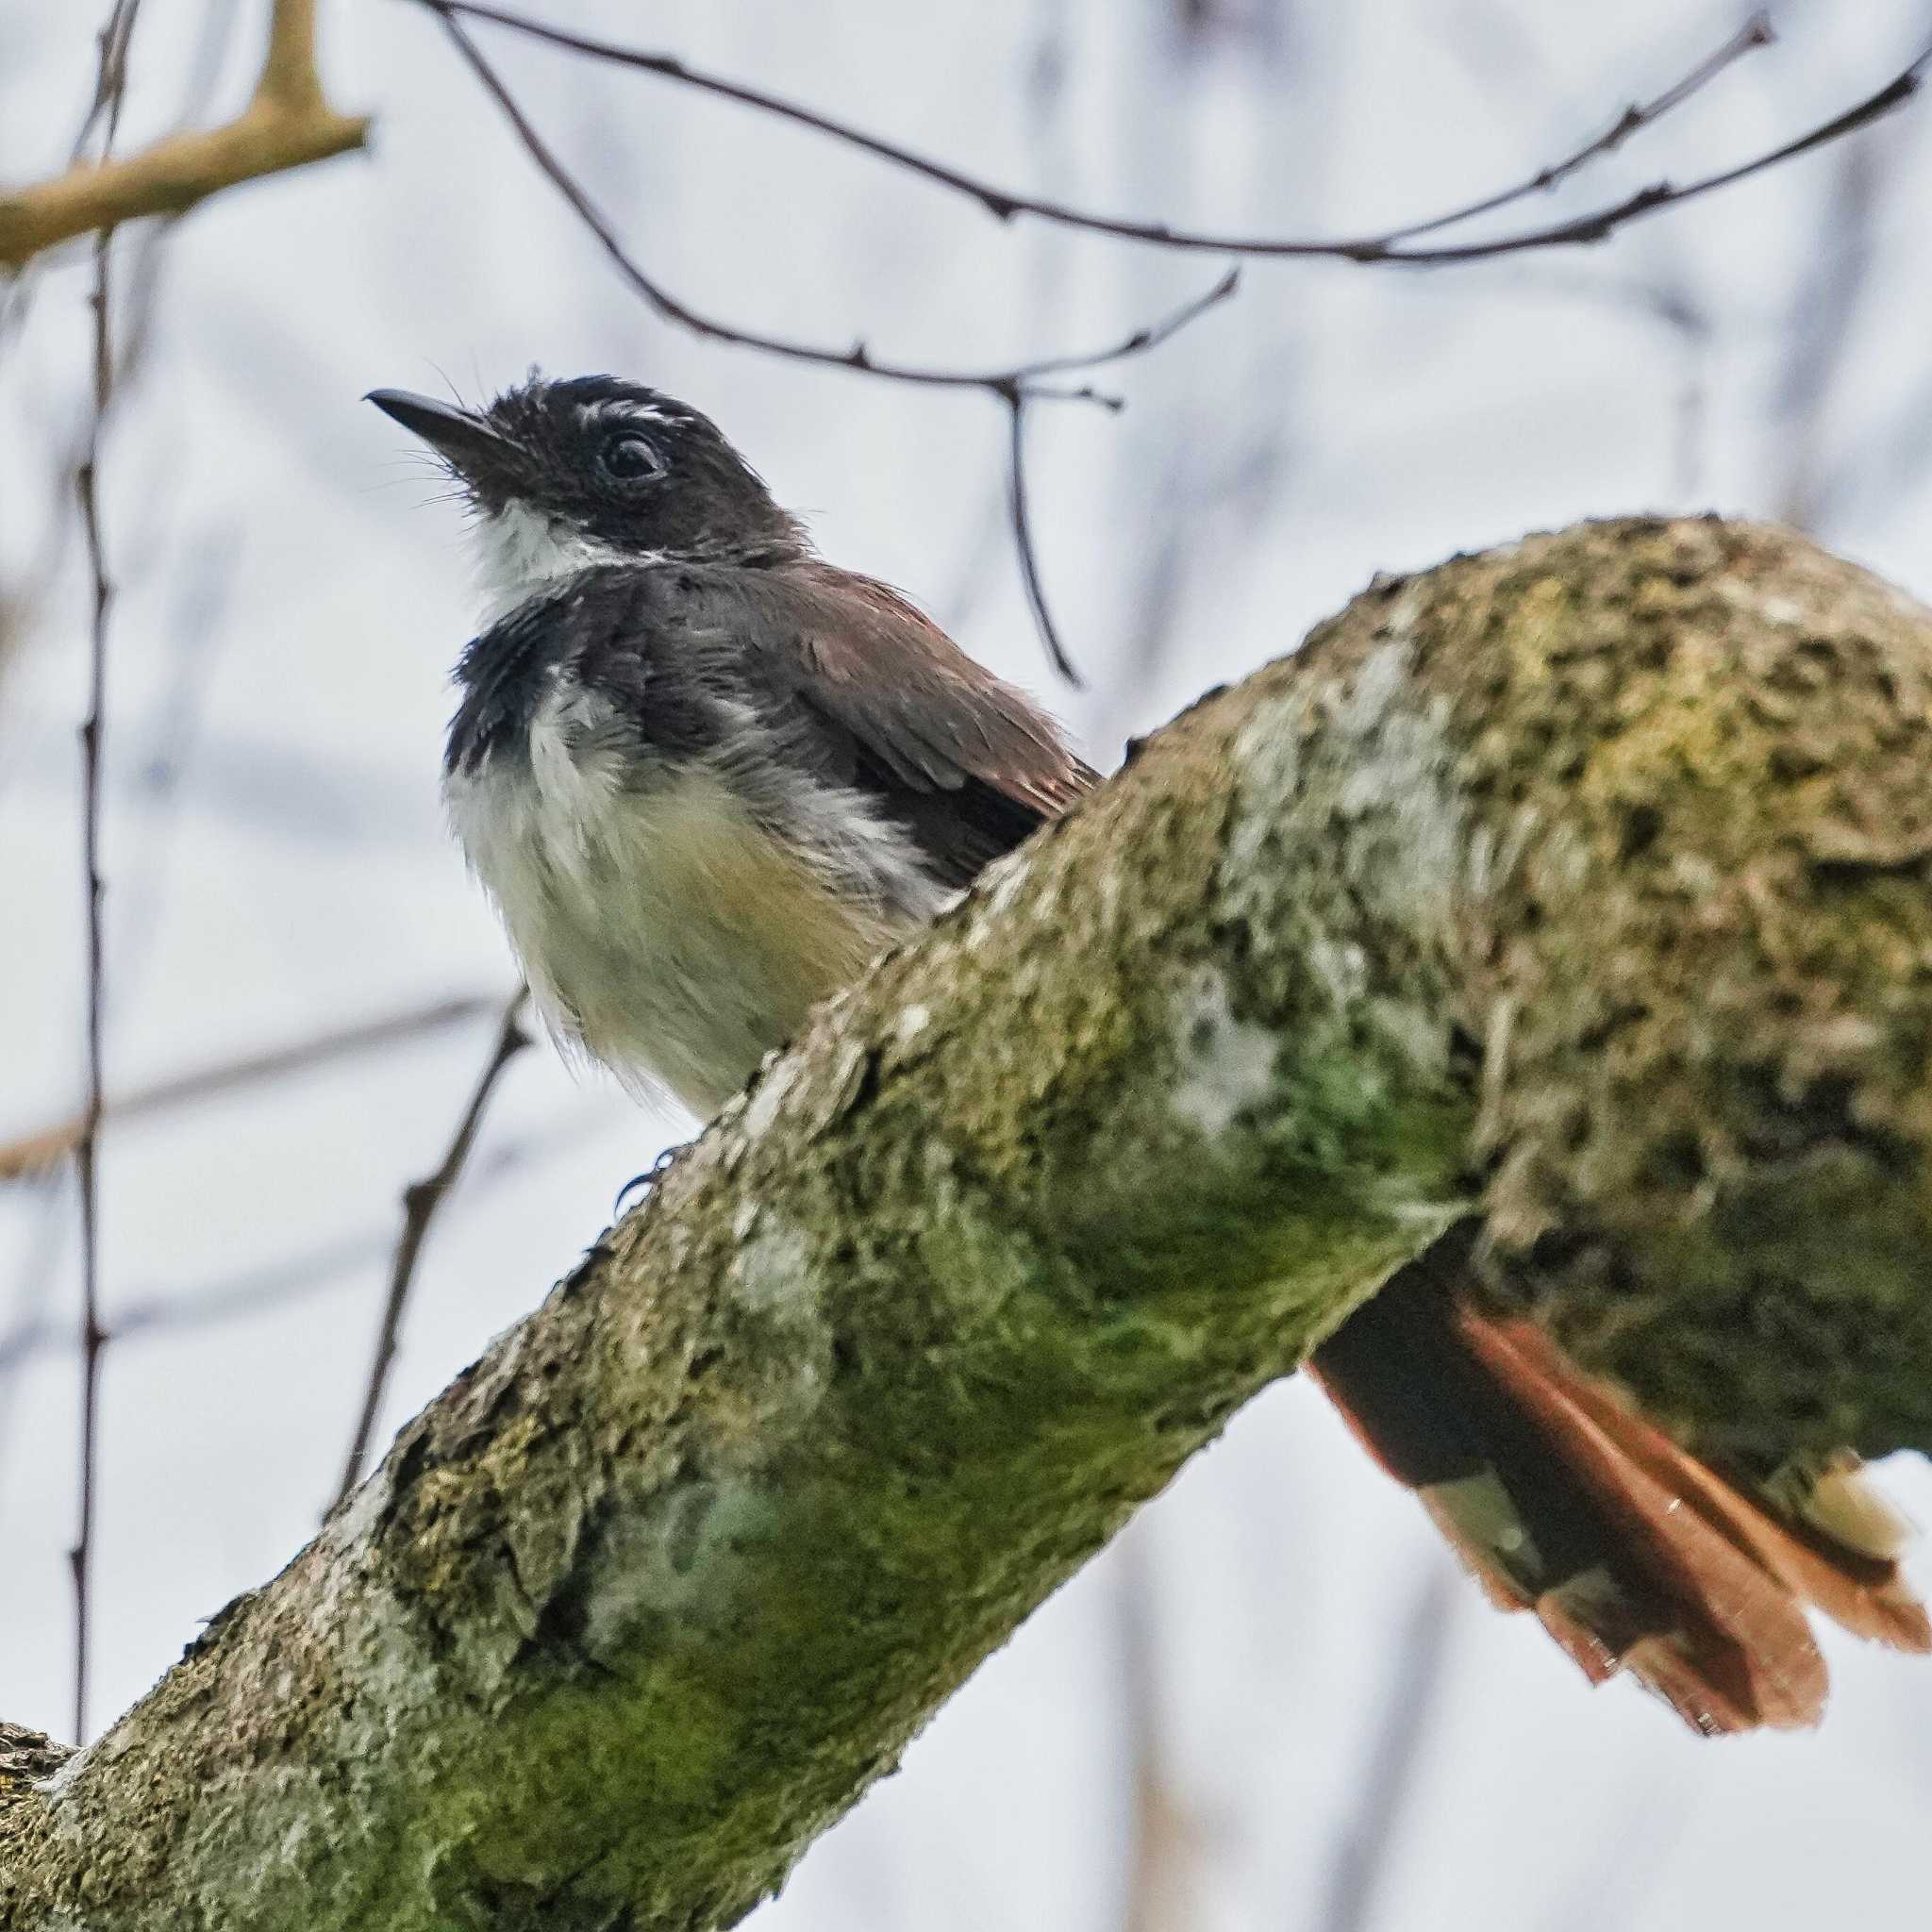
286	124
641	1604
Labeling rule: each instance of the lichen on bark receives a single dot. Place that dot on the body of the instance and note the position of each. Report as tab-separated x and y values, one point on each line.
1705	756
1579	887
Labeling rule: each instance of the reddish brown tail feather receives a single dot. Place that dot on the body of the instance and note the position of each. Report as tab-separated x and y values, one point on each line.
1632	1553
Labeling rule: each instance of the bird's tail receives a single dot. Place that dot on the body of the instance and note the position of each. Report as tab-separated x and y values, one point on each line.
1633	1554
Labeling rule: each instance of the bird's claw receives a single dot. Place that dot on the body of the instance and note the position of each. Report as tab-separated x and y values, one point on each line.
642	1184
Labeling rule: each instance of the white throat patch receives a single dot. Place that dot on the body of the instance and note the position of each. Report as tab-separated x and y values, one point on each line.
520	553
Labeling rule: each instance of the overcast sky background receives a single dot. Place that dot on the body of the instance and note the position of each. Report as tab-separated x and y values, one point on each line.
1341	1734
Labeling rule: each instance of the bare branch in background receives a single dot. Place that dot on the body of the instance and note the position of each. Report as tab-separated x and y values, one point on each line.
1023	540
255	1291
286	124
1674	304
1021	384
1389	1778
1164	1838
94	1338
33	1154
1395	246
421	1200
218	20
1027	377
139	280
146	1314
1015	396
111	88
1755	33
1015	387
1830	296
110	81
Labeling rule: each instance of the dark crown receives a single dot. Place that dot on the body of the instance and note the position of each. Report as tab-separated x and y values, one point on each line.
626	466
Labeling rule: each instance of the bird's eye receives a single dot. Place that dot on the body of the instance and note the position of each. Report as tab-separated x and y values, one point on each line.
629	459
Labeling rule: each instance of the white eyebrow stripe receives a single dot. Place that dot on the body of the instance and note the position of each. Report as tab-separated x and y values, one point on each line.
625	411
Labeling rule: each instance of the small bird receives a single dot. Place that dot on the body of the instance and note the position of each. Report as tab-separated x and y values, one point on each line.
706	777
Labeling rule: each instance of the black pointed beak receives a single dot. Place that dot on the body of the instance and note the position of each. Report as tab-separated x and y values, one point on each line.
451	432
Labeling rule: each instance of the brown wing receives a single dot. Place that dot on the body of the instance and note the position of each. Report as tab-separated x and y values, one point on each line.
968	762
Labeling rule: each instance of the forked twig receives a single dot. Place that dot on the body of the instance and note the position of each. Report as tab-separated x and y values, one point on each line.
1390	246
286	124
421	1200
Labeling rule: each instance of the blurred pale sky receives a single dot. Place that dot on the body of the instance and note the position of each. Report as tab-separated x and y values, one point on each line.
1281	1629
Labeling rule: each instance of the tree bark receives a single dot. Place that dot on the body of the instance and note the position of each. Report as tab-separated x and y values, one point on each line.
1580	884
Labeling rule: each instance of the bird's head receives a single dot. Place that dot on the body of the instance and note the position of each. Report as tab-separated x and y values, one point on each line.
596	470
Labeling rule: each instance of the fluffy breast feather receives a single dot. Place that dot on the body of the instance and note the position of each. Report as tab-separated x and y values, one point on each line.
665	928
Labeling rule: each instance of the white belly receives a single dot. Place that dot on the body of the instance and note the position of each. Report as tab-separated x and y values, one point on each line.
663	929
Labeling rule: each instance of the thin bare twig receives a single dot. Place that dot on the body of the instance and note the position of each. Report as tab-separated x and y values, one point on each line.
1005	203
286	124
1672	302
111	87
16	293
1023	383
1016	396
1389	1785
1823	332
421	1200
138	282
1016	386
1166	1843
33	1154
1756	33
94	1338
1392	245
858	359
156	1313
110	79
257	1292
1023	540
1600	223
